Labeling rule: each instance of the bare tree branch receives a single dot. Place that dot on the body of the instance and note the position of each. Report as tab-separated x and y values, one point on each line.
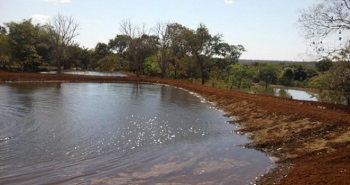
325	23
62	30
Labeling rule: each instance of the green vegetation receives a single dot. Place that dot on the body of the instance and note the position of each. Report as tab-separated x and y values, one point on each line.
171	50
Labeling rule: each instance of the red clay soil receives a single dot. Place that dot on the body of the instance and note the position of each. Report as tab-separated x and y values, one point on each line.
310	141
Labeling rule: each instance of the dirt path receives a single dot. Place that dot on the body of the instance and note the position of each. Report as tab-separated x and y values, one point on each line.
310	141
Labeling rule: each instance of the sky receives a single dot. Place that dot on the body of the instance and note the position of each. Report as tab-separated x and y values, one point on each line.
267	29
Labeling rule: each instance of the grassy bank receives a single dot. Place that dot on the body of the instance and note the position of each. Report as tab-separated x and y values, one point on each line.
309	140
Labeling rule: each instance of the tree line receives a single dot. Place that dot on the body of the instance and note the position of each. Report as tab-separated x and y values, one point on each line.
171	50
167	50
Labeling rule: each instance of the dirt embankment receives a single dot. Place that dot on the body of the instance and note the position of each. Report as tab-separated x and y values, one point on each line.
310	140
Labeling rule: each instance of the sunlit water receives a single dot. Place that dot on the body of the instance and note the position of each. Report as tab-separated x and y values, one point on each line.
118	134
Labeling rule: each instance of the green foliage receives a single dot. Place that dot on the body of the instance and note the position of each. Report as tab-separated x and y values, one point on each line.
151	66
110	62
299	73
287	77
240	75
340	79
324	65
336	80
23	42
5	52
321	81
268	74
85	58
31	60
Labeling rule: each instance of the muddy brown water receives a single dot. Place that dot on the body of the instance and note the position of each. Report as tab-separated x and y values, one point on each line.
90	133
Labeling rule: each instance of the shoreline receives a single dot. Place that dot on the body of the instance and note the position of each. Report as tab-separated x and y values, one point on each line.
309	140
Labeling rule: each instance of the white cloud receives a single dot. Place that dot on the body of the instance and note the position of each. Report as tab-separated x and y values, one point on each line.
56	2
229	1
40	19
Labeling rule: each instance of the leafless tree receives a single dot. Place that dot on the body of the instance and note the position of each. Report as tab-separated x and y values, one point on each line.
327	25
62	30
162	31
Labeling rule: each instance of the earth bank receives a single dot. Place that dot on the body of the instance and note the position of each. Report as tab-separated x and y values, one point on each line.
310	141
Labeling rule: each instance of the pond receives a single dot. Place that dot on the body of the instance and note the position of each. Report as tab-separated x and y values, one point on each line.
89	133
287	93
89	73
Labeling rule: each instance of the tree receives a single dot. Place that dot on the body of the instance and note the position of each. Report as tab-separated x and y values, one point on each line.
72	57
119	45
324	65
299	73
108	63
326	22
62	30
340	79
101	50
3	30
86	58
268	74
140	44
22	39
5	52
163	33
179	36
151	66
238	74
287	77
203	46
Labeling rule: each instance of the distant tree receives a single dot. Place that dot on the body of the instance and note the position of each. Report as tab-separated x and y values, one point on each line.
201	45
163	32
86	58
299	73
22	39
311	72
108	63
101	50
151	66
204	46
239	73
62	30
140	44
72	56
268	74
5	51
179	36
324	65
119	45
287	77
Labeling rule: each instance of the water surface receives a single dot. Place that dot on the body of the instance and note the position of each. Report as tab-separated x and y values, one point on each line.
87	133
296	94
89	73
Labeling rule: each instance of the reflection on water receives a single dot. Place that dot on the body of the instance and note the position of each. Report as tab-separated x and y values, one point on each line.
288	93
89	73
118	134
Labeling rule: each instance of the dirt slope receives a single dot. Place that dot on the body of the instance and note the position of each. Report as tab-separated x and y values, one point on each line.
310	141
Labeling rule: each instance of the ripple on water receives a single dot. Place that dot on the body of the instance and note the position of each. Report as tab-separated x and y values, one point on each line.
133	133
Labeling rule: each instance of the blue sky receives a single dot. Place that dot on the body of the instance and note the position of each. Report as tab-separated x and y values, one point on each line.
266	28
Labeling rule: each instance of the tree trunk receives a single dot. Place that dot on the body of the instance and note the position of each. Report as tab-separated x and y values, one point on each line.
200	62
164	71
